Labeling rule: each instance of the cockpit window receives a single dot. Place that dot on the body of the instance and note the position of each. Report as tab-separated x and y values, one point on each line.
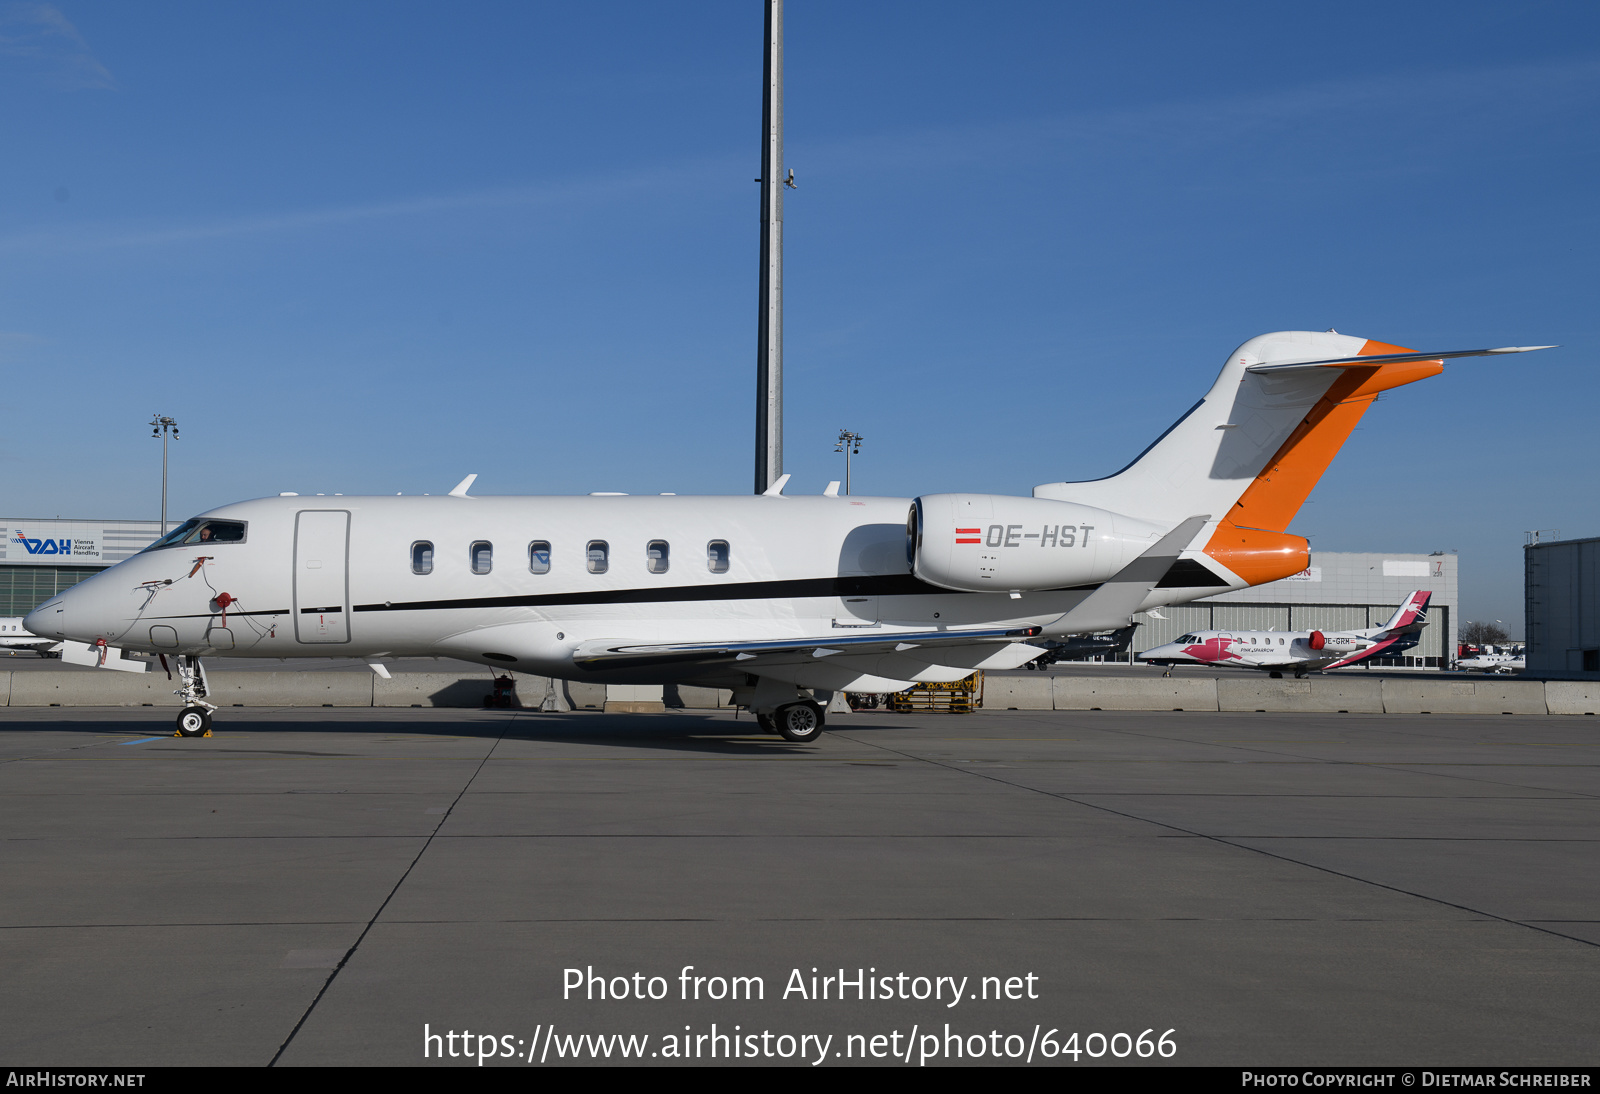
201	533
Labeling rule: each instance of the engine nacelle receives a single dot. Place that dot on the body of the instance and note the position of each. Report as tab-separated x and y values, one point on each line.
995	543
1322	643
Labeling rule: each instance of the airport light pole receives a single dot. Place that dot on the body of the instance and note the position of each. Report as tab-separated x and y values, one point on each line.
769	327
161	426
850	444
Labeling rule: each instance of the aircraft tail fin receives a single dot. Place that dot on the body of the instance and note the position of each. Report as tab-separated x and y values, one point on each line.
1412	613
1254	447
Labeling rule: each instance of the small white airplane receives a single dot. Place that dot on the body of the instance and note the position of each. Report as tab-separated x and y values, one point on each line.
768	595
1493	662
14	637
1298	651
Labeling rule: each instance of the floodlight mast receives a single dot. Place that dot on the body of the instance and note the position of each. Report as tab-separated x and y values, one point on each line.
850	444
769	336
161	426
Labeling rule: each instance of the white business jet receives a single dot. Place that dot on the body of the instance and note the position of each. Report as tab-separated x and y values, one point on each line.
771	596
15	637
1298	651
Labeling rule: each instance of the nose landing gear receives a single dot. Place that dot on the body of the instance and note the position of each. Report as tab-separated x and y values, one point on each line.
194	720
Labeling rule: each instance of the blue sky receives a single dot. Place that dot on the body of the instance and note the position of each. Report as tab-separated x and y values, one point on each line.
372	247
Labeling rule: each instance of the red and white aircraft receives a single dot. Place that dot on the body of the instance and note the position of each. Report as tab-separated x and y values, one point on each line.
1298	651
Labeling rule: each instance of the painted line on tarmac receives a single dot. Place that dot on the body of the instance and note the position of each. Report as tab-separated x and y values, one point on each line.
142	740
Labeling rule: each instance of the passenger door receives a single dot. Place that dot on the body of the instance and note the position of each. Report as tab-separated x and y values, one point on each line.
322	575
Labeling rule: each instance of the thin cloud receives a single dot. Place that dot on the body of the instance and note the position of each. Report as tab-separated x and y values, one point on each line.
593	190
39	39
1433	108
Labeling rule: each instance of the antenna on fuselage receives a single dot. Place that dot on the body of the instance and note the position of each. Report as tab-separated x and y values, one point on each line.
769	326
463	486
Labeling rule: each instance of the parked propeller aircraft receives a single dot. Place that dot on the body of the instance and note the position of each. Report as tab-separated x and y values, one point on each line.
1493	662
1298	651
768	595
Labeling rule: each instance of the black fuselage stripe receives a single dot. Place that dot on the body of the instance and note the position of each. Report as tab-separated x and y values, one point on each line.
874	585
1185	573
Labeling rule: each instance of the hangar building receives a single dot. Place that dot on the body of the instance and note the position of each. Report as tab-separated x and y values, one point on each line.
40	557
1338	591
1561	584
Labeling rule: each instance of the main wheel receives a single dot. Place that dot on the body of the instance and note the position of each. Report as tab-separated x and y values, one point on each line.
194	722
765	722
799	722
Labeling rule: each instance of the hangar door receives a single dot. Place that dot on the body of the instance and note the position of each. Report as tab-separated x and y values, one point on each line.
322	575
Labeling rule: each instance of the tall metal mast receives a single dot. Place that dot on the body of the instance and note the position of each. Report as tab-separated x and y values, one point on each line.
769	348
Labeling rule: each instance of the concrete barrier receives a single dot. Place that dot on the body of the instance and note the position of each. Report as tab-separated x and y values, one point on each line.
1134	693
692	698
1352	693
634	699
93	688
1572	696
585	696
1031	692
1487	696
288	689
447	689
1332	694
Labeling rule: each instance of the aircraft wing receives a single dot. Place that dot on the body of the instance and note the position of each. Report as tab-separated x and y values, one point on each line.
601	655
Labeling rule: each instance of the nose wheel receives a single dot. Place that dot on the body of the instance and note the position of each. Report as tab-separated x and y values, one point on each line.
194	720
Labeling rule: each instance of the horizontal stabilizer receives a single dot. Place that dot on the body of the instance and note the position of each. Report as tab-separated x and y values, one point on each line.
1372	359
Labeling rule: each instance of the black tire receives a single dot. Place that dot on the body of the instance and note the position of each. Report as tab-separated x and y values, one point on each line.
194	722
800	723
765	722
1275	675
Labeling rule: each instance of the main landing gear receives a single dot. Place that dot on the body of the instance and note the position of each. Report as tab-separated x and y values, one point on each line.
194	720
798	722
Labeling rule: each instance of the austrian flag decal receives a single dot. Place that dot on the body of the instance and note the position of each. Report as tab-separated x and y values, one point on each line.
968	532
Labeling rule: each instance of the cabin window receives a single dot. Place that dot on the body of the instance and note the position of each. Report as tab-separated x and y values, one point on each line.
655	556
482	557
422	557
539	556
599	556
717	556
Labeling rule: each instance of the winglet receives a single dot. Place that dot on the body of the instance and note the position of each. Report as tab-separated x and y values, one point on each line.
1112	605
776	489
463	486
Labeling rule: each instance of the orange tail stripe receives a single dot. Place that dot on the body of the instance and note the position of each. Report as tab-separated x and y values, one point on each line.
1272	500
1250	541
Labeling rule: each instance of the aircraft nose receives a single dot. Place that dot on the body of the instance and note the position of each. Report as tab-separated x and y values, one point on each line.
48	619
79	613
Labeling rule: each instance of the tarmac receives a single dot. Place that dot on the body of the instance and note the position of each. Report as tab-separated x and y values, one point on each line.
364	886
